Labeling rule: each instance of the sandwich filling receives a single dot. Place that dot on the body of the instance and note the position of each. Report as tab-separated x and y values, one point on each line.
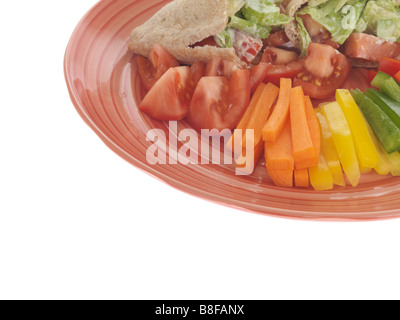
365	29
249	23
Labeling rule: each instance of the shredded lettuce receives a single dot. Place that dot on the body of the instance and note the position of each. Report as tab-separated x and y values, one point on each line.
382	18
234	6
339	17
226	38
249	27
265	13
314	3
254	17
305	37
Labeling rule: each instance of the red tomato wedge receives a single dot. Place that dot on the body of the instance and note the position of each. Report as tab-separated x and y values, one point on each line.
285	64
359	79
276	39
258	74
389	65
326	70
150	70
146	72
161	60
170	96
369	47
219	103
219	67
279	56
284	71
371	75
198	70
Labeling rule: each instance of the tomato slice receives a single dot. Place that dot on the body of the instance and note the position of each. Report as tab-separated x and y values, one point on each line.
258	74
285	64
359	79
219	103
284	71
389	65
161	60
325	71
246	47
371	75
219	67
151	69
170	96
276	39
369	47
279	56
198	70
146	72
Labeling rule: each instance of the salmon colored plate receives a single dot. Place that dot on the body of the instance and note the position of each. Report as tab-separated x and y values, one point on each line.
104	87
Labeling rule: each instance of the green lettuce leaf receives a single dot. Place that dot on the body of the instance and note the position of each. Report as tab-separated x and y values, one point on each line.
225	38
234	6
249	27
339	17
314	3
382	18
305	37
265	13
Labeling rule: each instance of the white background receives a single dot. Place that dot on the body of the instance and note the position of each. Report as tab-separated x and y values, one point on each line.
78	222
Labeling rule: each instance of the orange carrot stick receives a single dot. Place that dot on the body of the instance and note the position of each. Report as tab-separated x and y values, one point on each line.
301	178
279	154
242	125
315	133
261	113
279	116
303	148
253	103
242	164
281	178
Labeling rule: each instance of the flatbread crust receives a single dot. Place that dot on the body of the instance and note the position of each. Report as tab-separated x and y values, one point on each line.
291	29
182	23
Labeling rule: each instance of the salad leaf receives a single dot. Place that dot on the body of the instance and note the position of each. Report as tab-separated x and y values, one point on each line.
361	25
340	20
314	3
249	27
234	6
382	18
305	37
265	13
226	38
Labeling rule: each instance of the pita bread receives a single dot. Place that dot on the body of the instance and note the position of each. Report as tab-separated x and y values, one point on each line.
182	23
291	29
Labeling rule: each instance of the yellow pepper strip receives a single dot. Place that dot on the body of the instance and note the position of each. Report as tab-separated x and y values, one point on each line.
328	149
365	170
343	141
366	152
320	176
383	167
394	160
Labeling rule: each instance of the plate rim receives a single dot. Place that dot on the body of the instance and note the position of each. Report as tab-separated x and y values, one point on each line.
201	194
